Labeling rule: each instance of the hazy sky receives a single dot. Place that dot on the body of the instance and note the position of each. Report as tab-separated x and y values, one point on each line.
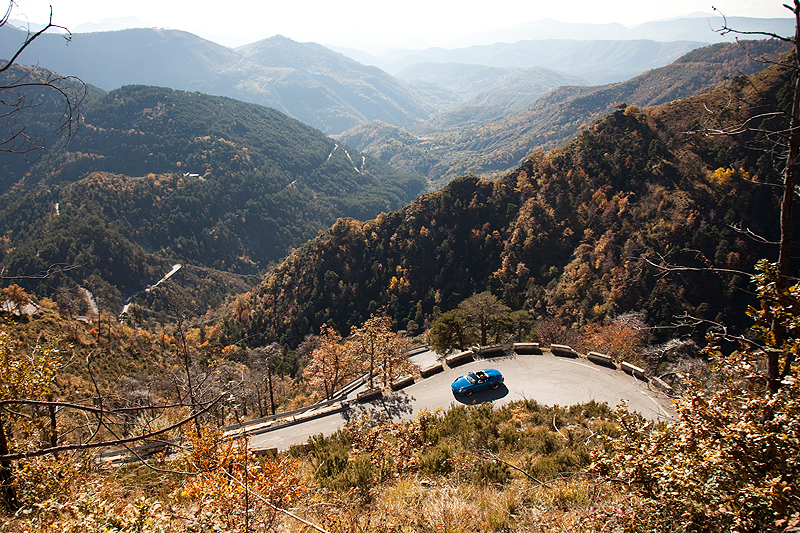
354	22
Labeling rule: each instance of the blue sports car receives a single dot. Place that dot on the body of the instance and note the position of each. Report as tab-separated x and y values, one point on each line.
477	381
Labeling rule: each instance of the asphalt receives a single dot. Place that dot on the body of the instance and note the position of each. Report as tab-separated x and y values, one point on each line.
545	378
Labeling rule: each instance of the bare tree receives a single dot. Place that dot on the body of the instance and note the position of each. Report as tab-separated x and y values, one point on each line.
484	311
265	357
331	364
377	343
23	90
779	361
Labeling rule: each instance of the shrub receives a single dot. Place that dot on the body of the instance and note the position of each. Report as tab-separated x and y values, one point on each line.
560	463
437	460
487	472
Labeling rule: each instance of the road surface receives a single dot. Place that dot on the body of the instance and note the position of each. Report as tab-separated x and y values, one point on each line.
548	379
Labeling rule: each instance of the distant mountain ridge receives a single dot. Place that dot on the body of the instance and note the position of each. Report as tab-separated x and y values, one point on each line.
701	27
469	81
498	145
323	88
597	61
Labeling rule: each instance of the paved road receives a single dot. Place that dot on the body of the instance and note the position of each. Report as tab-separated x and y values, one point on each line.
545	378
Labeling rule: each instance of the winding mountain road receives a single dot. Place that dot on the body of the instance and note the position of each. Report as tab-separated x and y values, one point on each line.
548	379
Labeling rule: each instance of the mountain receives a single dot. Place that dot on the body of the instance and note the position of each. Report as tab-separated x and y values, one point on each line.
596	61
323	88
155	177
500	144
319	86
701	27
484	93
490	93
111	24
572	233
467	81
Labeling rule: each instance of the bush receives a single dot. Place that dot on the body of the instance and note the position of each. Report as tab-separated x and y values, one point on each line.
565	461
437	460
487	472
732	459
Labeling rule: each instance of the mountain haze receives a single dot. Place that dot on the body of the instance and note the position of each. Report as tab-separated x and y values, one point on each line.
596	61
700	28
319	86
323	88
498	145
483	92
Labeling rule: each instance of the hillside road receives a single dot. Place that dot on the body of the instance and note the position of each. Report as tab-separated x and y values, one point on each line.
548	379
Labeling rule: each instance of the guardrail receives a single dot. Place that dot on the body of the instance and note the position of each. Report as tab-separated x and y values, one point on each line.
494	350
459	358
527	348
291	417
562	350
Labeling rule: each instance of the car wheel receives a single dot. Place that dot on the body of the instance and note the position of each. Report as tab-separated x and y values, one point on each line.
468	392
495	385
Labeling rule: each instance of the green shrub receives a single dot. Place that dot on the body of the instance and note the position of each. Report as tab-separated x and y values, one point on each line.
438	460
360	474
487	472
541	441
564	461
330	456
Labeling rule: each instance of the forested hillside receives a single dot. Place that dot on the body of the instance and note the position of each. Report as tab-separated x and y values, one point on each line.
156	176
651	228
499	145
575	233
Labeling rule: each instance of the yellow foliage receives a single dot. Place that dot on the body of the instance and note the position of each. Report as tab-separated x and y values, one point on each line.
230	350
723	176
398	284
632	111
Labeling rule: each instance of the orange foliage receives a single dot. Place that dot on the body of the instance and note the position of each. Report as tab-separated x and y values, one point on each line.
332	364
234	488
619	338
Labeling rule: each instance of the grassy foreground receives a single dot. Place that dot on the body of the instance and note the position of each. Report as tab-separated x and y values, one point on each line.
520	467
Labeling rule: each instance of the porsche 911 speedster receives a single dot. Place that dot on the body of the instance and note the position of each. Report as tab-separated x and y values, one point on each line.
476	381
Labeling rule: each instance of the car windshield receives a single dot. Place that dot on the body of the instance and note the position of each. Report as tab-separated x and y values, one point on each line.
471	378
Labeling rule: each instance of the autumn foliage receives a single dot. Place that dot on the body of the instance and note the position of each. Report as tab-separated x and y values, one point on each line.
332	364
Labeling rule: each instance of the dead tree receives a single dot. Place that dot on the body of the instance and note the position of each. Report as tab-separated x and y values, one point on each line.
23	90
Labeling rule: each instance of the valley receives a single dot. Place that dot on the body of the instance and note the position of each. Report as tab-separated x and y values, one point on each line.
199	236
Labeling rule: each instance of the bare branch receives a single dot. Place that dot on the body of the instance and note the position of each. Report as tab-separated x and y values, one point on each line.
16	97
87	408
104	444
489	455
725	29
273	506
667	267
748	232
51	270
32	37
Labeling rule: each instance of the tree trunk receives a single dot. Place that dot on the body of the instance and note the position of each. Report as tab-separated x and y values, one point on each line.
775	374
53	426
371	363
7	491
271	396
